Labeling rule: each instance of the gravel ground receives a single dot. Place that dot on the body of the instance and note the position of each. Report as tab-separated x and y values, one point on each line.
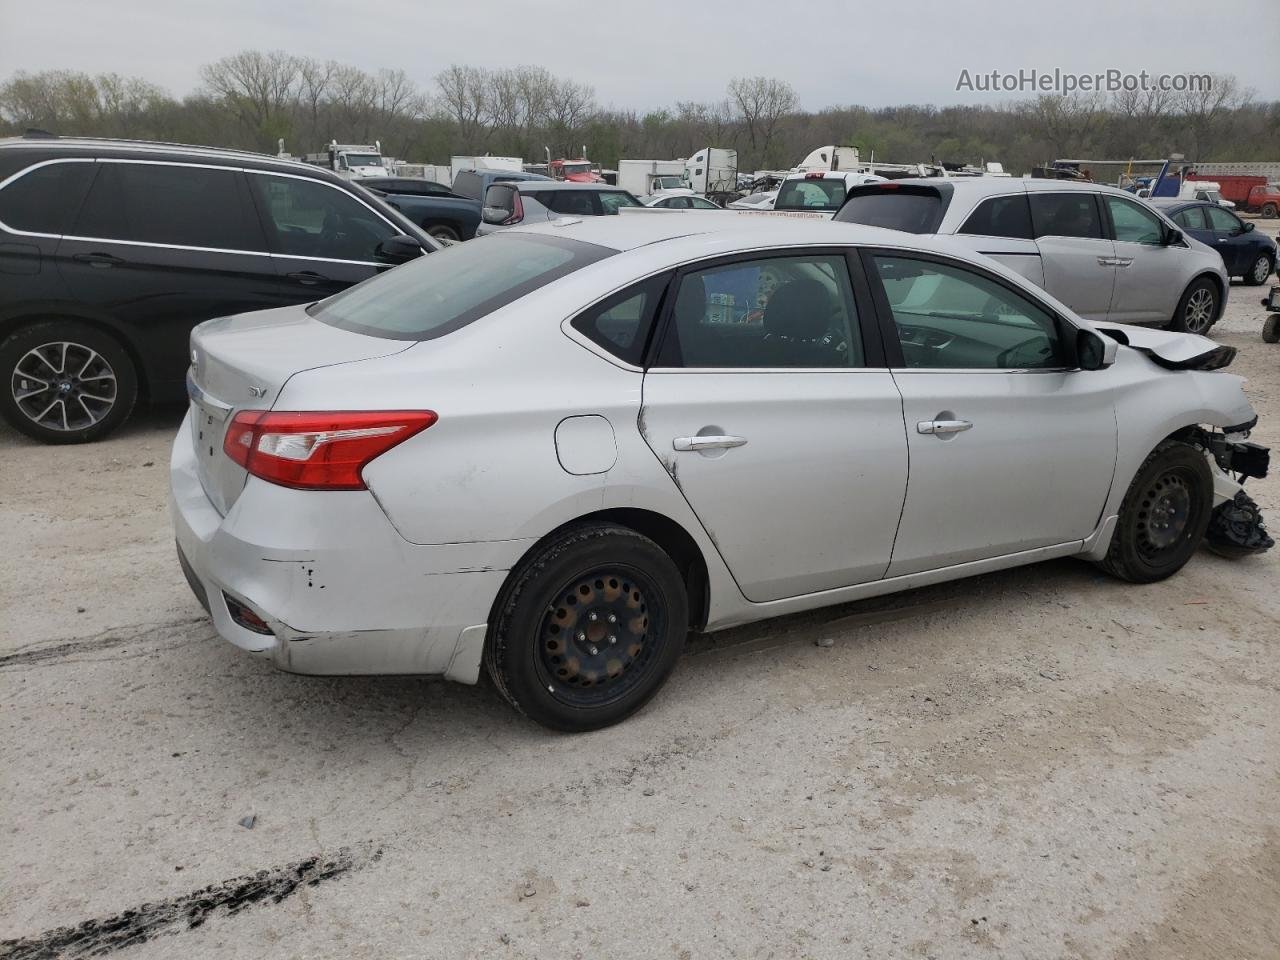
1042	762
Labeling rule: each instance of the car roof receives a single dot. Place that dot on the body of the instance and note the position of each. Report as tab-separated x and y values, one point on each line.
994	186
1171	203
637	227
103	146
557	185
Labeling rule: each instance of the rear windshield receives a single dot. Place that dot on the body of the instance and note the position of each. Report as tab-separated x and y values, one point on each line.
913	210
446	290
812	194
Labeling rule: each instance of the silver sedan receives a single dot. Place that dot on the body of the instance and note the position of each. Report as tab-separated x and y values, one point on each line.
556	450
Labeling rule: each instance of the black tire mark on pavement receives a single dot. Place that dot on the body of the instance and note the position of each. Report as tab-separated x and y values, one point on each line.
108	640
94	938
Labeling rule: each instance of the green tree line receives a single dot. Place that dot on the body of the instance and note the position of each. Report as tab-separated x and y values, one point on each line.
254	98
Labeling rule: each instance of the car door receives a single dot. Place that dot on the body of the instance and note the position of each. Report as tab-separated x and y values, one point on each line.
322	238
1000	228
1192	222
770	408
1230	239
1077	256
160	246
1010	449
1150	273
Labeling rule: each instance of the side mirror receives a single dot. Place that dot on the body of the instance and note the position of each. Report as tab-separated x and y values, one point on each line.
495	215
398	249
1173	238
1248	225
1094	351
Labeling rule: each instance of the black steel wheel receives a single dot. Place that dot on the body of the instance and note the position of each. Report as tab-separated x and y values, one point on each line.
65	382
588	627
1164	515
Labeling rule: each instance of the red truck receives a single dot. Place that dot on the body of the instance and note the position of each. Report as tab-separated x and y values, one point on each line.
1254	194
574	171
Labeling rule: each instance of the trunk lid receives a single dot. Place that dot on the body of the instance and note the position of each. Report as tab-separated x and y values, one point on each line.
242	363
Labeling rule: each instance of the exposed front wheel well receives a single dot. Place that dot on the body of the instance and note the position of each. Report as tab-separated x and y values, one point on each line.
674	540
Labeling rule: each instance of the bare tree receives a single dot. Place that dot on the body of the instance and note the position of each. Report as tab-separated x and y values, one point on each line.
762	102
464	96
315	79
570	105
258	88
1208	111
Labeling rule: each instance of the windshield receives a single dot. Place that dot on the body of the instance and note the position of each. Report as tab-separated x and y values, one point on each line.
363	159
446	290
812	194
577	168
667	183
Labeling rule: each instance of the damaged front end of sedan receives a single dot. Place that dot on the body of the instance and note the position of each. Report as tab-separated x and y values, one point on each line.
1236	528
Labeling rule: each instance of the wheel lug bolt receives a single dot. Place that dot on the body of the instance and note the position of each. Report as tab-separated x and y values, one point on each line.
612	638
594	651
593	616
613	618
581	636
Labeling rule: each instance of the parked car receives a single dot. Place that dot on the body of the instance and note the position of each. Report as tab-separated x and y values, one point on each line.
509	204
1104	253
755	201
679	200
407	186
457	215
1246	252
111	251
819	191
557	449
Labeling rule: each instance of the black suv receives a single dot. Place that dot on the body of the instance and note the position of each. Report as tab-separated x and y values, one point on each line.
111	251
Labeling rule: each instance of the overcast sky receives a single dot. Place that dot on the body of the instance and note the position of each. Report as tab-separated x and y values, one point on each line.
647	53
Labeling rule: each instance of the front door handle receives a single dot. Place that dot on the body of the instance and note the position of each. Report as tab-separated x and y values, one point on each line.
308	278
936	427
99	260
685	444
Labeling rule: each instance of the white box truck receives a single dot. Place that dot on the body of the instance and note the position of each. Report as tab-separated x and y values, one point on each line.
486	162
712	170
643	177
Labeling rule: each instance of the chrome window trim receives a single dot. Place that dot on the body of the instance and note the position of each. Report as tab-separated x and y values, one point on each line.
177	246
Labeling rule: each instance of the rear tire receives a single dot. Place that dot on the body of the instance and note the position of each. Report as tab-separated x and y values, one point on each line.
1198	308
588	628
1259	270
1271	329
1163	516
1269	211
442	232
62	381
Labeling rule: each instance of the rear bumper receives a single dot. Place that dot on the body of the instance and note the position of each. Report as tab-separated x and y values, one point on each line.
340	590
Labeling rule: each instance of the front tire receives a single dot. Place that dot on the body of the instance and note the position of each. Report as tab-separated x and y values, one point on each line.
1163	516
65	382
588	628
1257	274
1198	308
442	232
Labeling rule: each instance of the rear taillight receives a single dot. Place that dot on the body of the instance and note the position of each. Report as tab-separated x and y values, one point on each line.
517	209
318	451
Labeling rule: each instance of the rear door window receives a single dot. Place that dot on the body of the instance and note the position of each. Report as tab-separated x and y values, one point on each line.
622	324
1001	217
169	204
44	199
1191	219
1073	214
434	295
309	218
572	203
908	208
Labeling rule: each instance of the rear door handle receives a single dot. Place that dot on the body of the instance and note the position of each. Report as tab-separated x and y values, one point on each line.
685	444
308	278
936	427
99	260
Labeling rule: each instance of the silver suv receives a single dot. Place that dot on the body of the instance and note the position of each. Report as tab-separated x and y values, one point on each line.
535	201
1103	252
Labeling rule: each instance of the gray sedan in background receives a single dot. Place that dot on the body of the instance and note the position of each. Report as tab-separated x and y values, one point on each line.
537	201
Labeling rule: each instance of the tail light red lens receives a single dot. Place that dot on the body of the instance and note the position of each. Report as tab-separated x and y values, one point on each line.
318	451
